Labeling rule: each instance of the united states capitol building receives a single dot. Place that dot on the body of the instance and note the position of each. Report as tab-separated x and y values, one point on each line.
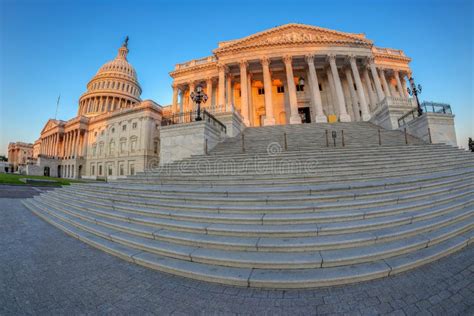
290	74
308	165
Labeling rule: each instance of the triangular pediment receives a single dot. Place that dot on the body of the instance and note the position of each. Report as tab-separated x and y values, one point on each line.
291	34
50	124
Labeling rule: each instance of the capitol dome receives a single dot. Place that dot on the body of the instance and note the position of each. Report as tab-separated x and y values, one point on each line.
115	86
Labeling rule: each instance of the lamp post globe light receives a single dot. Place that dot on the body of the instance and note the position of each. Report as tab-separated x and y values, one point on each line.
198	97
414	91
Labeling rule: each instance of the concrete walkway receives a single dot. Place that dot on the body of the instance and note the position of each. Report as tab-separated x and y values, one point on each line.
44	271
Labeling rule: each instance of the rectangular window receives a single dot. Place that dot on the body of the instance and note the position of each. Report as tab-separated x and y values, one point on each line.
280	89
261	91
133	145
132	169
100	170
123	145
299	87
155	147
121	169
124	127
92	170
110	170
134	125
320	87
355	87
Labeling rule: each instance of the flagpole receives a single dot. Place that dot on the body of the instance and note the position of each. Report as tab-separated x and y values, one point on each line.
57	106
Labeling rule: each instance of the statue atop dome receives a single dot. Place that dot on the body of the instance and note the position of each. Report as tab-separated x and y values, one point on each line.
125	43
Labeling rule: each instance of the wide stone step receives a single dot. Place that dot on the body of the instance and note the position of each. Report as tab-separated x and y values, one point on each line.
266	212
270	278
279	260
341	155
206	181
149	197
115	218
307	188
284	165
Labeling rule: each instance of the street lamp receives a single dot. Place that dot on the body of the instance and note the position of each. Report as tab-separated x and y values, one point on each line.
414	91
198	96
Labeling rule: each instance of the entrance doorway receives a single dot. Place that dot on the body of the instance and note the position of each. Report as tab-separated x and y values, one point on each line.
305	115
46	171
59	171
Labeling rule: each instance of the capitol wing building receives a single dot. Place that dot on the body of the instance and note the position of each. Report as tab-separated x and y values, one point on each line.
297	73
114	134
290	74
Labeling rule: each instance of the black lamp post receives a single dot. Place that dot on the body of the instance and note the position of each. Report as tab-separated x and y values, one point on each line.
414	91
198	96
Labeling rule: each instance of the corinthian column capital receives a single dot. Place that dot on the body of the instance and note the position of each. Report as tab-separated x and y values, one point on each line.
309	59
243	63
265	61
287	59
331	58
221	67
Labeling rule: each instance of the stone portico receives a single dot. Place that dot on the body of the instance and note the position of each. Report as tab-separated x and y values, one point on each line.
313	75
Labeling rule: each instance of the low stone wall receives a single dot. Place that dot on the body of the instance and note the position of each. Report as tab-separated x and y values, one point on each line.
389	110
233	122
181	141
439	125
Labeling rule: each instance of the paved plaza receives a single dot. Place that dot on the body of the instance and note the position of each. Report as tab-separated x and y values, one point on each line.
44	271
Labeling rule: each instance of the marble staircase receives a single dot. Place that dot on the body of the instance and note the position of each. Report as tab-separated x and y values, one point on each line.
282	216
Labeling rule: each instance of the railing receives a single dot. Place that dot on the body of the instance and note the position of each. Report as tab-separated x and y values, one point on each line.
189	117
389	51
195	62
427	107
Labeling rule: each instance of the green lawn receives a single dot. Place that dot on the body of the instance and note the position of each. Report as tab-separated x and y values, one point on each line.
9	178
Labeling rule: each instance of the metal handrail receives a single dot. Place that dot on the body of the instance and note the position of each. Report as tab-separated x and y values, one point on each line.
428	107
189	117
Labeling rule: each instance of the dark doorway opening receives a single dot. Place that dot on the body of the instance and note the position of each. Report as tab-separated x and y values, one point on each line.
305	115
46	171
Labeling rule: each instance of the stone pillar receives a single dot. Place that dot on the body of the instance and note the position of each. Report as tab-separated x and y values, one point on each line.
76	146
244	97
221	97
250	100
267	83
331	94
229	105
404	85
343	116
386	88
355	101
315	93
378	86
181	103
175	98
294	116
191	102
84	143
399	84
360	90
373	98
209	91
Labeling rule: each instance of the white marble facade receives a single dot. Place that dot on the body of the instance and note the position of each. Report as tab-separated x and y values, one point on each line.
114	134
314	74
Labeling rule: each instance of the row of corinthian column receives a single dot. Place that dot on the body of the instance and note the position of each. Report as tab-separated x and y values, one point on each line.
71	145
381	85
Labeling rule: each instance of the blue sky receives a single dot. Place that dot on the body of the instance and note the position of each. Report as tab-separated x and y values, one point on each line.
52	47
